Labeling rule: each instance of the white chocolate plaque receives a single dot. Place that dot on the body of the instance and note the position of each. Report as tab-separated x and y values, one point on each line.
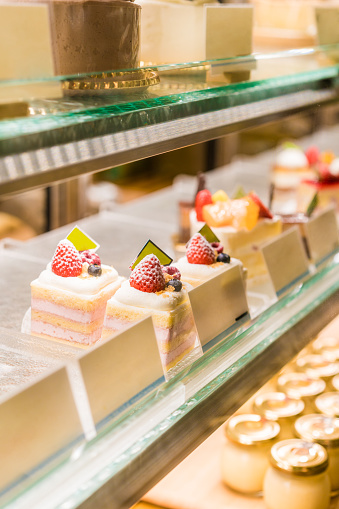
120	368
286	259
218	302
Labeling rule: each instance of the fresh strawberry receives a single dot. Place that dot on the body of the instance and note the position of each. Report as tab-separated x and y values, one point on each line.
313	155
172	271
148	275
90	257
199	251
66	261
204	197
263	210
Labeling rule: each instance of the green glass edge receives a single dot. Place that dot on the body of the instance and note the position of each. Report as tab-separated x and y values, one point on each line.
20	135
225	344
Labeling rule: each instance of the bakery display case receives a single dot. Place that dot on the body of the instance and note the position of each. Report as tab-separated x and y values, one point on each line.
111	436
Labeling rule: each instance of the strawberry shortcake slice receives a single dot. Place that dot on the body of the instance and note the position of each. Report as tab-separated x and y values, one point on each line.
157	291
68	300
203	260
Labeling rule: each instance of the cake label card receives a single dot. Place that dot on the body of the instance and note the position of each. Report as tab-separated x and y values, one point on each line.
322	235
25	33
81	240
121	368
229	34
35	424
151	248
218	303
286	259
209	234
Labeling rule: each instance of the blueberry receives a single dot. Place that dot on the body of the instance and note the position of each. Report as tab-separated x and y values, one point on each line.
224	258
177	285
94	270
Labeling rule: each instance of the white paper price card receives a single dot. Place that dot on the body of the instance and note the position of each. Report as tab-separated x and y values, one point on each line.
35	424
122	367
322	235
218	302
286	259
26	51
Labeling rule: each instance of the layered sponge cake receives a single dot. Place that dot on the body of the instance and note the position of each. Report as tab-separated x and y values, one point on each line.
156	290
203	260
68	300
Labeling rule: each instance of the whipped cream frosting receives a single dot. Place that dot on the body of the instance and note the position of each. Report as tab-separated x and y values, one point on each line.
197	270
163	301
83	284
292	158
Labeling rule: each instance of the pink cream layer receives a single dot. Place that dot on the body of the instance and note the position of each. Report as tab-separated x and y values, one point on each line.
168	358
77	315
162	335
53	331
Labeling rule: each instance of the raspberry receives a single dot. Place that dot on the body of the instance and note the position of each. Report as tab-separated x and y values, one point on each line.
172	271
66	261
90	257
204	197
217	246
313	155
199	251
148	275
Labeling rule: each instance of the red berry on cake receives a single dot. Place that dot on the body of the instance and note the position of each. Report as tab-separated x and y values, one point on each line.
204	197
263	210
313	155
90	257
148	275
172	271
66	261
199	251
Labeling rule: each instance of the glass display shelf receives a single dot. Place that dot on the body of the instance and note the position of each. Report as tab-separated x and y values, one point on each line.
136	447
180	104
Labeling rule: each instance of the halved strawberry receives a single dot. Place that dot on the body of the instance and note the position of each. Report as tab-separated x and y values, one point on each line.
199	251
148	275
204	197
263	210
66	261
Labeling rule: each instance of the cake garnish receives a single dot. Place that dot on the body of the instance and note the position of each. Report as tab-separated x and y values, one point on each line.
151	248
217	246
90	257
312	206
66	261
224	258
263	210
81	240
94	270
313	155
174	272
203	198
199	251
176	284
148	276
